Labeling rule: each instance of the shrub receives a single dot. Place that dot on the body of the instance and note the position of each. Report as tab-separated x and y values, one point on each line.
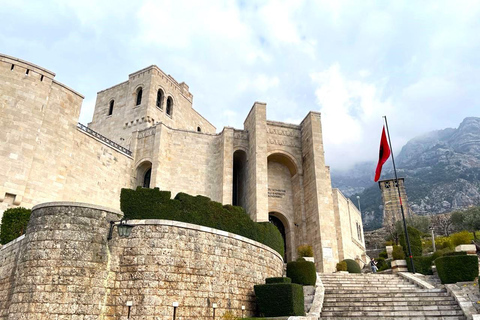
280	299
423	265
415	237
278	280
14	223
440	253
305	251
397	253
387	265
383	255
301	259
455	253
380	262
352	266
302	272
229	316
462	237
144	203
444	243
452	269
342	266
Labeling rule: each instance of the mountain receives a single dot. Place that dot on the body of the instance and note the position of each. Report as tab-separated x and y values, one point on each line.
441	171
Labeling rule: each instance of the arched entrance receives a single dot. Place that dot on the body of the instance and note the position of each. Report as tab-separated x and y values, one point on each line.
273	217
144	174
239	178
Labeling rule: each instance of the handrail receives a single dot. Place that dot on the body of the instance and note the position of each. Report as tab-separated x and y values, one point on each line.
103	139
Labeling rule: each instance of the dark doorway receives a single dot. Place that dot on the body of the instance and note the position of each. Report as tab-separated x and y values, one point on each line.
146	178
239	177
279	224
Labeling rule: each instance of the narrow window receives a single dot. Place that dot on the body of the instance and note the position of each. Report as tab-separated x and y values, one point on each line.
159	98
199	129
13	66
169	106
139	96
41	77
110	109
26	72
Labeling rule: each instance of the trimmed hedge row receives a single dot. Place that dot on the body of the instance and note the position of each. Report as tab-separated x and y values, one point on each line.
144	203
415	237
278	280
280	299
302	272
423	265
14	223
453	269
352	266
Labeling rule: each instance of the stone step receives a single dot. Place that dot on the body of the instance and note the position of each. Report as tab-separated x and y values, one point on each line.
388	303
381	314
386	294
397	317
371	288
430	307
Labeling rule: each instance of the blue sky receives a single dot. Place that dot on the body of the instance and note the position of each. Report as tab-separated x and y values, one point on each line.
418	62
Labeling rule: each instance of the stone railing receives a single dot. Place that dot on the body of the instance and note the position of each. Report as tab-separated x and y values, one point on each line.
103	139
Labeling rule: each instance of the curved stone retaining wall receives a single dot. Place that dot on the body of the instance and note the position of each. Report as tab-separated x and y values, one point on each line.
66	269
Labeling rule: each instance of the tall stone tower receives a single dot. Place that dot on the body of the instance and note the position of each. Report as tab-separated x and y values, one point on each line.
391	203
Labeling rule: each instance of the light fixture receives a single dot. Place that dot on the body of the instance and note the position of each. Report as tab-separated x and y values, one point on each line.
214	306
124	229
175	305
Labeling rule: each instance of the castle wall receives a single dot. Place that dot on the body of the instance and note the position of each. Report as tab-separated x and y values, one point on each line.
165	261
351	243
9	257
66	268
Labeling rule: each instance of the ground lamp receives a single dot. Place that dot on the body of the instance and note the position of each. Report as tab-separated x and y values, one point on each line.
175	305
243	310
123	229
214	306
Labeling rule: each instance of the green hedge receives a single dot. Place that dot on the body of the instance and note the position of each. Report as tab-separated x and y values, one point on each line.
423	265
352	266
453	269
397	253
415	237
386	266
280	299
14	223
144	203
302	272
278	280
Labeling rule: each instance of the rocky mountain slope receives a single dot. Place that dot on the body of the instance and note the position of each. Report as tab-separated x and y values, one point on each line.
441	171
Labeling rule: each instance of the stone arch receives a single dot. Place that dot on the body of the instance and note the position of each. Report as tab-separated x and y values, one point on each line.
170	104
144	174
286	159
138	96
239	178
280	221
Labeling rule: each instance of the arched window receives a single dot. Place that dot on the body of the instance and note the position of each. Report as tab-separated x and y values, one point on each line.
159	98
110	109
199	129
169	106
139	96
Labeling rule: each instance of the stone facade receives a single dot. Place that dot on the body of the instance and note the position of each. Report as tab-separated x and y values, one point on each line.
65	268
275	170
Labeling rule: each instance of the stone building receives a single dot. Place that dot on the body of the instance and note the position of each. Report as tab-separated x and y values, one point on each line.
145	132
392	211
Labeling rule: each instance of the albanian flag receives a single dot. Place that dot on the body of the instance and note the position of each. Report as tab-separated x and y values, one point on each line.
383	155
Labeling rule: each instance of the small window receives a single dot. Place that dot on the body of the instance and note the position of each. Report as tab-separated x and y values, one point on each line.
169	106
27	72
199	129
110	109
41	77
13	66
139	96
159	98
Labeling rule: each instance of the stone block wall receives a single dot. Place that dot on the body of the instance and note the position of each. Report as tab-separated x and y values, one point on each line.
65	268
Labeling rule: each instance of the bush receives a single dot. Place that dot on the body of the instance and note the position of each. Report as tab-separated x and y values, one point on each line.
415	237
453	269
229	316
462	237
440	253
144	203
444	243
397	253
280	299
352	266
302	272
455	253
305	251
380	262
383	255
423	265
387	265
278	280
14	223
342	266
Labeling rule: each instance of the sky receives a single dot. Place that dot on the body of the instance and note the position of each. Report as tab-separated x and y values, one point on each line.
416	62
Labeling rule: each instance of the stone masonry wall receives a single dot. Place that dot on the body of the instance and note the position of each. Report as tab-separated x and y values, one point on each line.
64	268
167	261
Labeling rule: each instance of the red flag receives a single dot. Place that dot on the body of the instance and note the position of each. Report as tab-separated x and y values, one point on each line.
383	155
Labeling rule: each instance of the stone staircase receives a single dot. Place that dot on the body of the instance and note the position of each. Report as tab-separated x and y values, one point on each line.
384	296
309	295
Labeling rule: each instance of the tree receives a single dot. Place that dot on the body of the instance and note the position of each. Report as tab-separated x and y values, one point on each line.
443	223
467	220
14	223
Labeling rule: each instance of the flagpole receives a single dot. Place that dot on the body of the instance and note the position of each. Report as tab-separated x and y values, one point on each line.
400	198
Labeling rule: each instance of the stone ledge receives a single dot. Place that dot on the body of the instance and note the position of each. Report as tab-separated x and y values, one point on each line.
203	229
464	302
11	243
419	282
76	204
